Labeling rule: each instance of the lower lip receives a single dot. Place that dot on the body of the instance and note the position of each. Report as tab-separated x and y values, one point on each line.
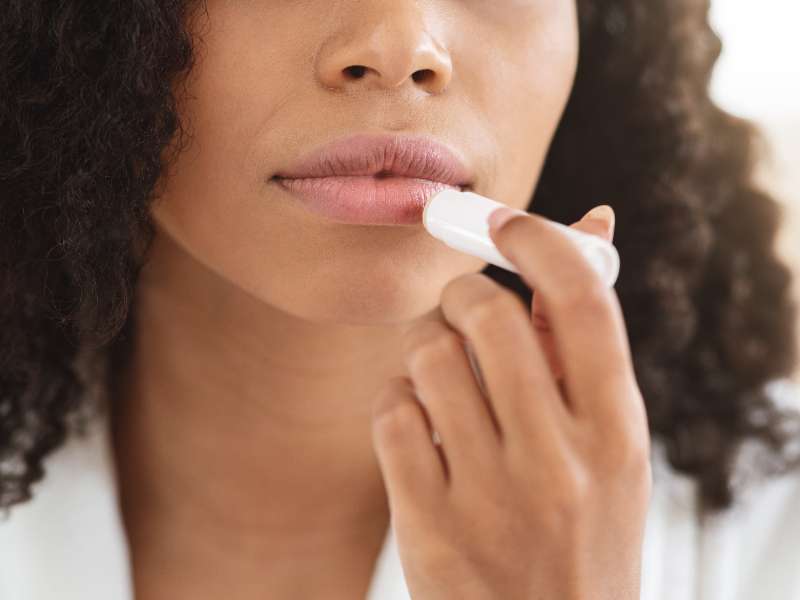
362	200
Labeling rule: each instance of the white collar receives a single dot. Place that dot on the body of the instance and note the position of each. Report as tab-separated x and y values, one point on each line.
68	542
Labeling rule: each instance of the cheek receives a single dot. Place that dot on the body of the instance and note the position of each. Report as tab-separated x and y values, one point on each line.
246	102
236	89
213	201
531	81
217	205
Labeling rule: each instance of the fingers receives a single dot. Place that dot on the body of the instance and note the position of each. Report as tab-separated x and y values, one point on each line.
448	388
584	314
521	389
594	226
412	466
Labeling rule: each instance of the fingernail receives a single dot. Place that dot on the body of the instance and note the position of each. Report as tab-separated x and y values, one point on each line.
499	217
603	213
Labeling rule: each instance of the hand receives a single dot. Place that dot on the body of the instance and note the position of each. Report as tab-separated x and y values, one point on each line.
599	221
538	490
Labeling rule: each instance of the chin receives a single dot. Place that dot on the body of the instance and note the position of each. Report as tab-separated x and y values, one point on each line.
371	304
376	298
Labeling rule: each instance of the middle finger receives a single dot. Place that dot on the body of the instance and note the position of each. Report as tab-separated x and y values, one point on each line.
520	386
446	387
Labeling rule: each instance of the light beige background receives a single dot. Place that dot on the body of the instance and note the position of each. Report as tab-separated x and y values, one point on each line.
758	77
782	176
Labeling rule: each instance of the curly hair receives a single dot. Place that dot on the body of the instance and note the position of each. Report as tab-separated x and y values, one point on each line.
89	111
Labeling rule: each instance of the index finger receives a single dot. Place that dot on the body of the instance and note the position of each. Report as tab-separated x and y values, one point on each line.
583	312
586	225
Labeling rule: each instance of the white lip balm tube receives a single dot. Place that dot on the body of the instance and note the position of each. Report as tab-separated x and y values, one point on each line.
460	220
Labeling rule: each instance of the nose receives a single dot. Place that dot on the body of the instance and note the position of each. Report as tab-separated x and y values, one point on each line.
381	47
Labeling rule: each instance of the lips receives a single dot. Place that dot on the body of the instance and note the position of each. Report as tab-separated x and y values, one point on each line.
374	179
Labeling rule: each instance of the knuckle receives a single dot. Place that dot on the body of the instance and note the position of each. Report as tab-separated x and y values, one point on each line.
583	294
569	495
464	285
429	349
623	452
400	417
631	454
479	304
632	472
397	386
393	398
443	558
393	421
484	313
636	455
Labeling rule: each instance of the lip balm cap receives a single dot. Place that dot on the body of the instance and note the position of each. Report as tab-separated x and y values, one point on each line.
460	220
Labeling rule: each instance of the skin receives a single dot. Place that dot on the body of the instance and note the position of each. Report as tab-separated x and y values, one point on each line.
562	480
245	433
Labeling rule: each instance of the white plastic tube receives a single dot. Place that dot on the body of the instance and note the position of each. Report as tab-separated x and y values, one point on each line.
460	220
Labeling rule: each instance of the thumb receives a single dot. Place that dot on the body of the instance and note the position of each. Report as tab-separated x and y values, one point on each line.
600	221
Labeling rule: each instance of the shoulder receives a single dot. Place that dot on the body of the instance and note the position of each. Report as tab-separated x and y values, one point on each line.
69	527
756	490
759	536
750	550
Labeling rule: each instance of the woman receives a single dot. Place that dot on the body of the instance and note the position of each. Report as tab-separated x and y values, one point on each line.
268	379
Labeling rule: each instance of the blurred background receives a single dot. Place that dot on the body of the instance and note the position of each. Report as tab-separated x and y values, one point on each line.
758	77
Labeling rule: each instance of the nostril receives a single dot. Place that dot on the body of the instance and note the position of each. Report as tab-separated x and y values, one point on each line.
356	71
422	75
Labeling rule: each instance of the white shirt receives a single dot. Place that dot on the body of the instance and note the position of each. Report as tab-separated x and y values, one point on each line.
68	542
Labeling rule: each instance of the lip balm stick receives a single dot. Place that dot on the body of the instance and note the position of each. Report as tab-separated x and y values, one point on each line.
460	220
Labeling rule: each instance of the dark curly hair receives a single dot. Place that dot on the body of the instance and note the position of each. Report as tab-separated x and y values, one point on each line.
88	114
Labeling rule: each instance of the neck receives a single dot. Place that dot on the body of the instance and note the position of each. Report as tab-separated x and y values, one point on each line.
245	425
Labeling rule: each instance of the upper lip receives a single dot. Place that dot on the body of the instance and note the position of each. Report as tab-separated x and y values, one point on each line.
383	154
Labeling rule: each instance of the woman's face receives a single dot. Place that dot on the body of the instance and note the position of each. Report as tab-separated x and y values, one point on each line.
271	83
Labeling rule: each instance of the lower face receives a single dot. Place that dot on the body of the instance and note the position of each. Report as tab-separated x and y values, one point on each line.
271	83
